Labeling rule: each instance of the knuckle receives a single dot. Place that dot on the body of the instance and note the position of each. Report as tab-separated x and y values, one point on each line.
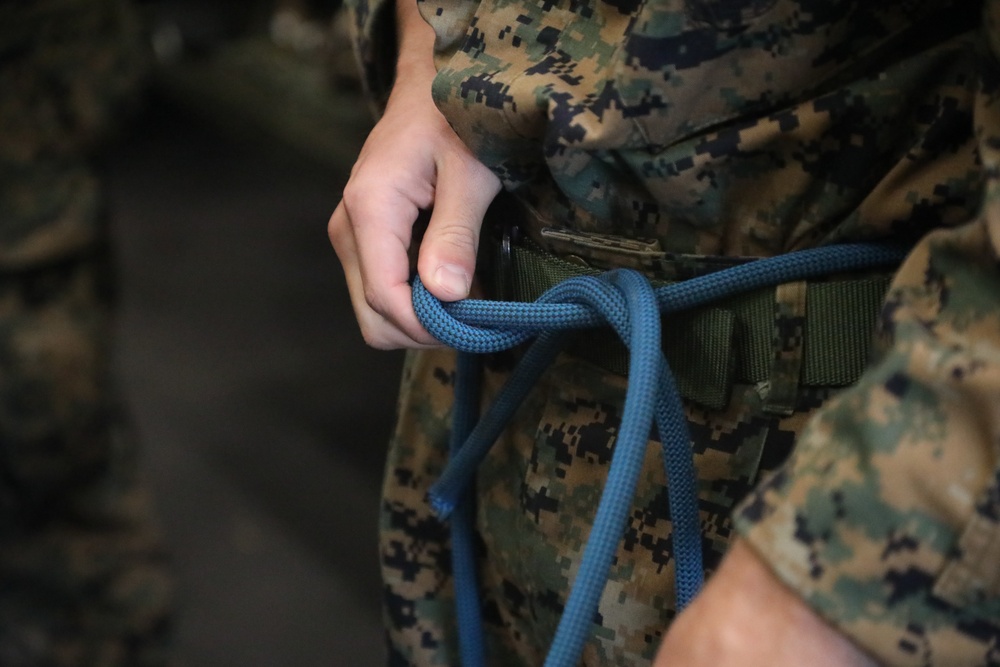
352	197
338	225
456	235
375	339
375	332
373	298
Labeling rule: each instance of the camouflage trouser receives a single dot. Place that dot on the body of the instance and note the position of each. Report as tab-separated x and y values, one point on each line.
82	570
82	574
537	493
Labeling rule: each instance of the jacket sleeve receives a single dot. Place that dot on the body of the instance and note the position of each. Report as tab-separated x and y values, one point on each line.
373	37
373	33
886	518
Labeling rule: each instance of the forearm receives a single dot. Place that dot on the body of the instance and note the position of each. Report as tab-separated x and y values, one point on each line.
415	43
745	617
393	44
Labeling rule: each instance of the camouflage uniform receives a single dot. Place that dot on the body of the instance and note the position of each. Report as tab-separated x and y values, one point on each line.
722	128
82	569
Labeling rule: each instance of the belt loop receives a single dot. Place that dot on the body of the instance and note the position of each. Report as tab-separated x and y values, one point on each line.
787	346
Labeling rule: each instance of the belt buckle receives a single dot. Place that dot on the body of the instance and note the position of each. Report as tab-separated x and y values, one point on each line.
509	235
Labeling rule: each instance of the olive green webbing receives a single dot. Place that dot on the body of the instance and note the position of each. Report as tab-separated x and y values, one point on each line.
711	348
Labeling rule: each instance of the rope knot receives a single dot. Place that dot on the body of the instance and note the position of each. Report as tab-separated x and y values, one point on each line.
625	300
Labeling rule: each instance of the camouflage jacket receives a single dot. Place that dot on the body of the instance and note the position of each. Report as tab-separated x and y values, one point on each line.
757	127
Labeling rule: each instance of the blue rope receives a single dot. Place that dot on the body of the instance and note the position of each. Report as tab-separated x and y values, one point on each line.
468	373
625	300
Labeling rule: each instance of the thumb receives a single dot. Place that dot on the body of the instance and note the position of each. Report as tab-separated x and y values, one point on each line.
447	258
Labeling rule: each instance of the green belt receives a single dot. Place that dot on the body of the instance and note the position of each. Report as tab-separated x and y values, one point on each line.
735	341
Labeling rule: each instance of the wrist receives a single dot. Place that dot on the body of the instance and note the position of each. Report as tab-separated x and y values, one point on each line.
415	62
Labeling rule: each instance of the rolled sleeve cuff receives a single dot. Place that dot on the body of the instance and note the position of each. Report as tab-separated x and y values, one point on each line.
373	37
888	536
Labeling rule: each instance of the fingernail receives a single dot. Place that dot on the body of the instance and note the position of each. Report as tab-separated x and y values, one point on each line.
453	279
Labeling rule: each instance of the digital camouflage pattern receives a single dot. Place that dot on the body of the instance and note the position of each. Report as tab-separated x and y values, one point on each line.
732	128
83	576
537	493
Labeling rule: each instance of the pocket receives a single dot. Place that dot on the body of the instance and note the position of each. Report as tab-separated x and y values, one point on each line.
678	74
688	67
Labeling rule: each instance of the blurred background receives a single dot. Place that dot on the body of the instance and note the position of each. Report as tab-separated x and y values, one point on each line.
262	415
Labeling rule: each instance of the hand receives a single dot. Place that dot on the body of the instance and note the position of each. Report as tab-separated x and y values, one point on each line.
411	161
745	617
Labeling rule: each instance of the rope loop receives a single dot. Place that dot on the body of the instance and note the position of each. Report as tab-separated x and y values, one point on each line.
626	301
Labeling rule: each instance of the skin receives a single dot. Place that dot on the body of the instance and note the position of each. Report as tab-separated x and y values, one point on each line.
745	617
413	161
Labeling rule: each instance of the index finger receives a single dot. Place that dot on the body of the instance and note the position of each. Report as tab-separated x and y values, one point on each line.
382	228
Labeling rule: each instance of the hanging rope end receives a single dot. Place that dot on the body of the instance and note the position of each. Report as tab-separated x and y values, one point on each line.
442	507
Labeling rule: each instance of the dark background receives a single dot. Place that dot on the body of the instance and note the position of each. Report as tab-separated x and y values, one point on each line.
262	415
